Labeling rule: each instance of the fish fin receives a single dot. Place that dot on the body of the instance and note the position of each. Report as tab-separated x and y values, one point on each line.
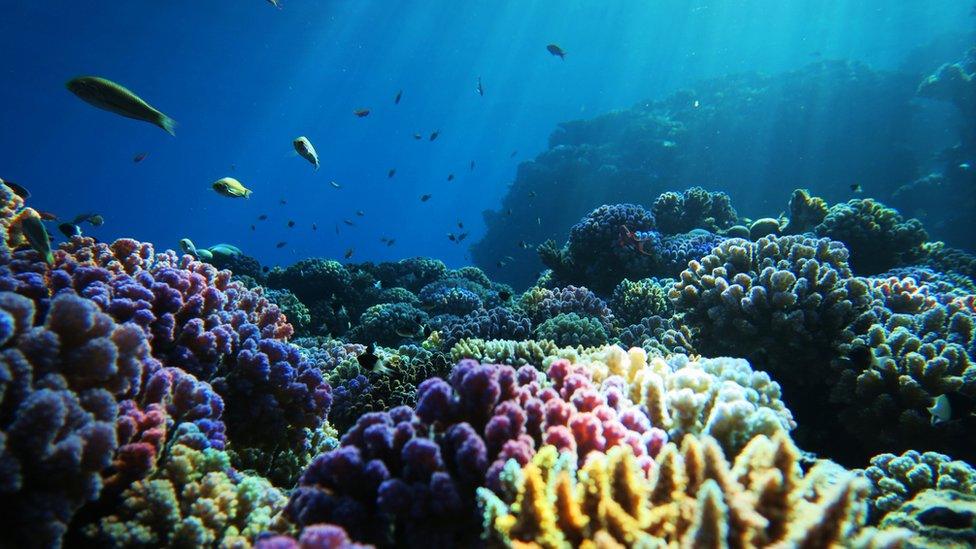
167	124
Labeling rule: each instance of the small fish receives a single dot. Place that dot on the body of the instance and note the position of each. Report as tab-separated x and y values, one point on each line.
504	295
424	197
856	188
450	177
557	51
965	165
434	134
93	219
396	100
48	216
390	242
315	227
69	230
361	113
369	362
522	244
282	202
37	237
112	97
462	236
253	228
417	136
231	188
471	166
262	217
500	264
513	154
480	89
291	223
451	237
532	194
348	253
460	224
696	104
538	221
334	184
508	212
18	190
275	3
360	213
139	157
390	173
950	407
305	149
347	222
281	244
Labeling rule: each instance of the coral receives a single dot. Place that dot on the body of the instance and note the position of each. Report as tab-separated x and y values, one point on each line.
237	263
398	295
876	236
633	301
500	351
412	273
312	279
195	499
897	479
571	330
496	323
805	212
540	304
937	518
294	310
696	498
675	251
411	474
450	296
316	536
695	208
389	324
659	336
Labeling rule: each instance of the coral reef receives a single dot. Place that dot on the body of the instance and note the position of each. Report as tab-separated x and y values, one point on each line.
572	330
694	208
876	236
632	302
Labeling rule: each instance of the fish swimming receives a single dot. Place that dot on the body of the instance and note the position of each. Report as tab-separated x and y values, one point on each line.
347	222
139	157
275	3
262	217
231	188
950	407
93	219
112	97
69	230
462	236
37	236
360	213
281	244
434	134
557	51
334	184
369	361
315	227
291	223
348	253
480	89
504	295
471	167
450	177
513	154
417	136
396	100
856	188
424	197
305	149
361	113
17	189
391	173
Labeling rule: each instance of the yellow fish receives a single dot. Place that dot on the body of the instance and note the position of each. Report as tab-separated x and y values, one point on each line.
231	188
305	149
112	97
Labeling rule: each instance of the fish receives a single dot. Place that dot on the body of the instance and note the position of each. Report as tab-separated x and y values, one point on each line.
451	237
291	223
347	222
480	89
282	202
450	177
532	194
424	197
557	51
139	157
69	230
17	189
417	136
93	219
856	188
360	213
460	224
471	166
37	236
305	149
281	244
434	134
390	173
370	362
110	96
390	242
538	221
504	295
361	113
253	228
334	184
262	217
231	188
950	407
462	236
315	227
513	154
48	216
965	165
522	244
396	100
509	211
275	3
500	264
348	253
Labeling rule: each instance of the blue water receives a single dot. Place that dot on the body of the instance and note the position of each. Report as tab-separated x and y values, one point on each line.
243	79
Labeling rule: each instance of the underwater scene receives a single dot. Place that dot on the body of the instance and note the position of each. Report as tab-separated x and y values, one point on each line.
446	274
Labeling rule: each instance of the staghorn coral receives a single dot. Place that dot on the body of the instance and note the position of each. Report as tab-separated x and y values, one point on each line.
876	236
408	476
694	498
897	479
572	330
634	301
695	208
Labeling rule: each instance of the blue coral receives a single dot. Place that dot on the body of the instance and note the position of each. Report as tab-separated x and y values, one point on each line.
496	323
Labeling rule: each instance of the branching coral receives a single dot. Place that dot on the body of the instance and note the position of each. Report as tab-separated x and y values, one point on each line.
312	279
294	310
496	323
694	498
876	236
897	479
572	330
695	208
500	351
634	301
389	324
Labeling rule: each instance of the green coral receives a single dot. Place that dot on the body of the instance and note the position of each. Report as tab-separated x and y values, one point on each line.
191	501
634	301
571	330
499	351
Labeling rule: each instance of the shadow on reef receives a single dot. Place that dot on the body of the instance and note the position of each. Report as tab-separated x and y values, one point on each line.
654	386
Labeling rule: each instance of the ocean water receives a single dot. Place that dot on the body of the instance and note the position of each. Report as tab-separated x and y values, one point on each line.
537	217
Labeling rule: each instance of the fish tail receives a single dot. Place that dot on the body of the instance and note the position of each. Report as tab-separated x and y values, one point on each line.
247	193
167	124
